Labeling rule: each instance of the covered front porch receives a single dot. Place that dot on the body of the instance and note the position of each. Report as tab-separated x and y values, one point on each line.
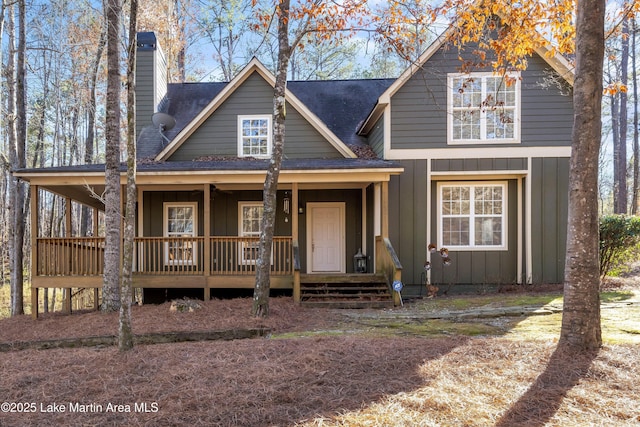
215	251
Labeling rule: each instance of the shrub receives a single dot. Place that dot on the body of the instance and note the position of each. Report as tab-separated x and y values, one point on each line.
619	242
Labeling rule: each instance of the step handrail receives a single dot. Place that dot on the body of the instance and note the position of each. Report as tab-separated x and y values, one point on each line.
388	264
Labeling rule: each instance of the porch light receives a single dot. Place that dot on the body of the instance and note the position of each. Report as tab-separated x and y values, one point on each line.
286	204
360	262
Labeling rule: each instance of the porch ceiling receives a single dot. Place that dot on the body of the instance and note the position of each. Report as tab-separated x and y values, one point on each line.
87	195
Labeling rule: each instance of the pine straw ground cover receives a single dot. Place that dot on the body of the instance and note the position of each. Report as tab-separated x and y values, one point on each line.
342	375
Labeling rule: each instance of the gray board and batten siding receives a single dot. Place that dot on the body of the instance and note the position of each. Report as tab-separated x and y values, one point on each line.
224	215
549	211
218	135
479	267
548	216
419	107
419	121
376	138
224	210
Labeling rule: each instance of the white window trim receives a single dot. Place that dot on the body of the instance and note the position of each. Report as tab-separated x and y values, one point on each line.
194	232
241	248
505	216
269	134
516	121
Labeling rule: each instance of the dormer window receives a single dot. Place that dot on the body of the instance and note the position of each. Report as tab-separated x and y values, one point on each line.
483	108
254	136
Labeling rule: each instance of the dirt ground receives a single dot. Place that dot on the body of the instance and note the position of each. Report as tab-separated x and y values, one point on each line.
340	376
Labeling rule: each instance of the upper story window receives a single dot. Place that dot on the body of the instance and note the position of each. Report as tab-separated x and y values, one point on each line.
483	108
254	136
473	215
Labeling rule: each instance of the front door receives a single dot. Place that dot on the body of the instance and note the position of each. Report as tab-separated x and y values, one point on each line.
325	237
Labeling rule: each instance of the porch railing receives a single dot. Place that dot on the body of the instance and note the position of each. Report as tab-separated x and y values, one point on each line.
229	255
75	256
238	255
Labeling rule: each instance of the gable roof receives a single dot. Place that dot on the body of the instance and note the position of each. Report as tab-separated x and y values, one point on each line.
556	61
220	95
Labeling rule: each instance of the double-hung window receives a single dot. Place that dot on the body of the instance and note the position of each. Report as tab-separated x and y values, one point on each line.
254	136
483	108
473	216
180	226
250	225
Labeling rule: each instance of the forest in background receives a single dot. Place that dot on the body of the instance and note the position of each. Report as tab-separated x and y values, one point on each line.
62	44
64	51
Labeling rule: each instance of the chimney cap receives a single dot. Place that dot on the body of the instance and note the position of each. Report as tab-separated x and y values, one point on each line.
147	41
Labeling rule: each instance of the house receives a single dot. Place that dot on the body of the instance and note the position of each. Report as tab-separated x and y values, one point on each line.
375	171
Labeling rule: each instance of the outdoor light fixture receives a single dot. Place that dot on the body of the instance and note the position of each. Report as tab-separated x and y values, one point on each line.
360	262
286	205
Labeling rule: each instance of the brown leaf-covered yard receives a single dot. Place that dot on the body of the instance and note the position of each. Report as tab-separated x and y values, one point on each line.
326	367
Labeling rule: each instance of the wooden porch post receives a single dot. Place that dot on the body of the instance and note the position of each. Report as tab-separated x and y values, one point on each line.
34	249
207	240
294	238
364	241
67	233
139	233
384	208
96	228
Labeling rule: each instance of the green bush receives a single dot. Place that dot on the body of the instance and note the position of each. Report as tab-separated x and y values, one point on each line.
619	242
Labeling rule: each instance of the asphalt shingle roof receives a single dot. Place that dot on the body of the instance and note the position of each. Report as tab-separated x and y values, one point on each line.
341	104
183	101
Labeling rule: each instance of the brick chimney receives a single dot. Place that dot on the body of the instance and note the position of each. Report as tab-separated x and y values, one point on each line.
151	78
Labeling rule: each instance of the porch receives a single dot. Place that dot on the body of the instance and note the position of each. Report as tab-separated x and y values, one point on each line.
210	263
198	228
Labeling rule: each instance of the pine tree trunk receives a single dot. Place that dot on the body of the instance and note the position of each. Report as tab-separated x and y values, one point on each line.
113	217
620	152
261	290
125	333
21	128
10	69
636	145
91	127
581	315
17	144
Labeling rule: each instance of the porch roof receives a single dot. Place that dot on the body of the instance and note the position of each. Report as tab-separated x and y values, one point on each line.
219	164
83	182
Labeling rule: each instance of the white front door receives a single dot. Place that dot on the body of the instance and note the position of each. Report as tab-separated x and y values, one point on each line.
325	237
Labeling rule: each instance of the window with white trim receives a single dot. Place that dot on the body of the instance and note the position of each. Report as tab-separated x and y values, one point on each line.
483	108
473	215
250	225
180	225
254	136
